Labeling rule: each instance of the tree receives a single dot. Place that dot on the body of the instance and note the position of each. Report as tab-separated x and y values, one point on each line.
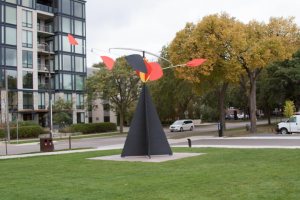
62	112
260	45
212	38
289	109
120	86
172	95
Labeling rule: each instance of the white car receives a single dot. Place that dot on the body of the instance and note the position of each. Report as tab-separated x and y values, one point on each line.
182	125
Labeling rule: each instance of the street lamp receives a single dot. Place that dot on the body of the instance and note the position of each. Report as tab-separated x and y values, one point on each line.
6	107
49	89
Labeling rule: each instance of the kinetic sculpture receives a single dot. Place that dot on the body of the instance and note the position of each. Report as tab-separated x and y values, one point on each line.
146	136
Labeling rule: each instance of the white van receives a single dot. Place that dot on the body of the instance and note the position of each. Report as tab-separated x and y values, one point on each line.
182	125
292	125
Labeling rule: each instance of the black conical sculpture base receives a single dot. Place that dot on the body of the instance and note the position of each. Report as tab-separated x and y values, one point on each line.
146	136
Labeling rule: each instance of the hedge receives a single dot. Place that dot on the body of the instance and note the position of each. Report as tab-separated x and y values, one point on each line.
93	128
24	132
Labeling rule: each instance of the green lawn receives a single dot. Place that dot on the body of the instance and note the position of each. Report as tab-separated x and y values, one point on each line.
220	174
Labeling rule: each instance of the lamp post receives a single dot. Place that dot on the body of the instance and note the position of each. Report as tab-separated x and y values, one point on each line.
49	90
6	107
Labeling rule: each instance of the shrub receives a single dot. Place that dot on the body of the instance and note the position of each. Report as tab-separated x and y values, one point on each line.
24	132
93	128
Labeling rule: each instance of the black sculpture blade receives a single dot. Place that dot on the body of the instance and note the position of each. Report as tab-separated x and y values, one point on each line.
146	135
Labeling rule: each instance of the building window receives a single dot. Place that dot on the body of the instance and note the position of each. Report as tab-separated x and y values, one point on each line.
41	103
67	64
67	81
106	118
27	3
78	9
11	1
27	19
10	15
12	79
27	39
27	59
10	57
13	100
68	97
79	64
66	6
80	47
27	100
79	101
78	27
27	80
79	82
66	25
80	118
66	45
10	36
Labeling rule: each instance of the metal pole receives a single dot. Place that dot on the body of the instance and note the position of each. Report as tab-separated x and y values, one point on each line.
49	92
6	146
6	107
70	145
17	127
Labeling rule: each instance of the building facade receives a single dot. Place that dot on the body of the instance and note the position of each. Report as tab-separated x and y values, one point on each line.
38	64
99	109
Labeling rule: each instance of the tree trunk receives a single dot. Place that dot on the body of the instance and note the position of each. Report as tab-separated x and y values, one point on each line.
221	93
121	121
252	100
269	115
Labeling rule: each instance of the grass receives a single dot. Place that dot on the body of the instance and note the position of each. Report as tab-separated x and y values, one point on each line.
247	174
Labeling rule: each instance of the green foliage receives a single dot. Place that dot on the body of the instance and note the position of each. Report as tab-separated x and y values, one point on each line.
62	112
93	128
289	108
24	132
120	86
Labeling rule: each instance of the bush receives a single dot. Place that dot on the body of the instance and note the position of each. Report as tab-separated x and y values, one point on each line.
93	128
24	132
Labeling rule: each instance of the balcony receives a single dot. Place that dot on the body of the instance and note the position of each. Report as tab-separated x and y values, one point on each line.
45	31
45	49
43	86
45	8
44	68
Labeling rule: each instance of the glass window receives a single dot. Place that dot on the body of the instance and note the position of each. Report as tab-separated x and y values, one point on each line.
66	6
80	117
11	36
79	64
27	100
27	18
27	80
11	1
11	57
12	79
41	103
79	82
13	100
27	39
79	101
27	3
66	25
66	44
80	47
68	97
67	66
78	27
78	9
67	81
27	59
11	15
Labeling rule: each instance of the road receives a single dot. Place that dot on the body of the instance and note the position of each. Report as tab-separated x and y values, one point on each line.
266	140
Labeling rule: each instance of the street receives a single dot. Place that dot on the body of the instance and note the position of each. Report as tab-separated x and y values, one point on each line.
268	139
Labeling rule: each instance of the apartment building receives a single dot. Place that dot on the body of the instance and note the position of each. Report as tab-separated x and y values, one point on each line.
38	64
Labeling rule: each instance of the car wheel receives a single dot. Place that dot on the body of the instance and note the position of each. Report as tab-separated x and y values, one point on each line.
191	129
171	130
181	129
284	131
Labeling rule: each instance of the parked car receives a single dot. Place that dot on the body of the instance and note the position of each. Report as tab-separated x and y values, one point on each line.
182	125
292	125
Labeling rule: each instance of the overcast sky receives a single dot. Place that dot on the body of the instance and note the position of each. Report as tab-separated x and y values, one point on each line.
151	24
